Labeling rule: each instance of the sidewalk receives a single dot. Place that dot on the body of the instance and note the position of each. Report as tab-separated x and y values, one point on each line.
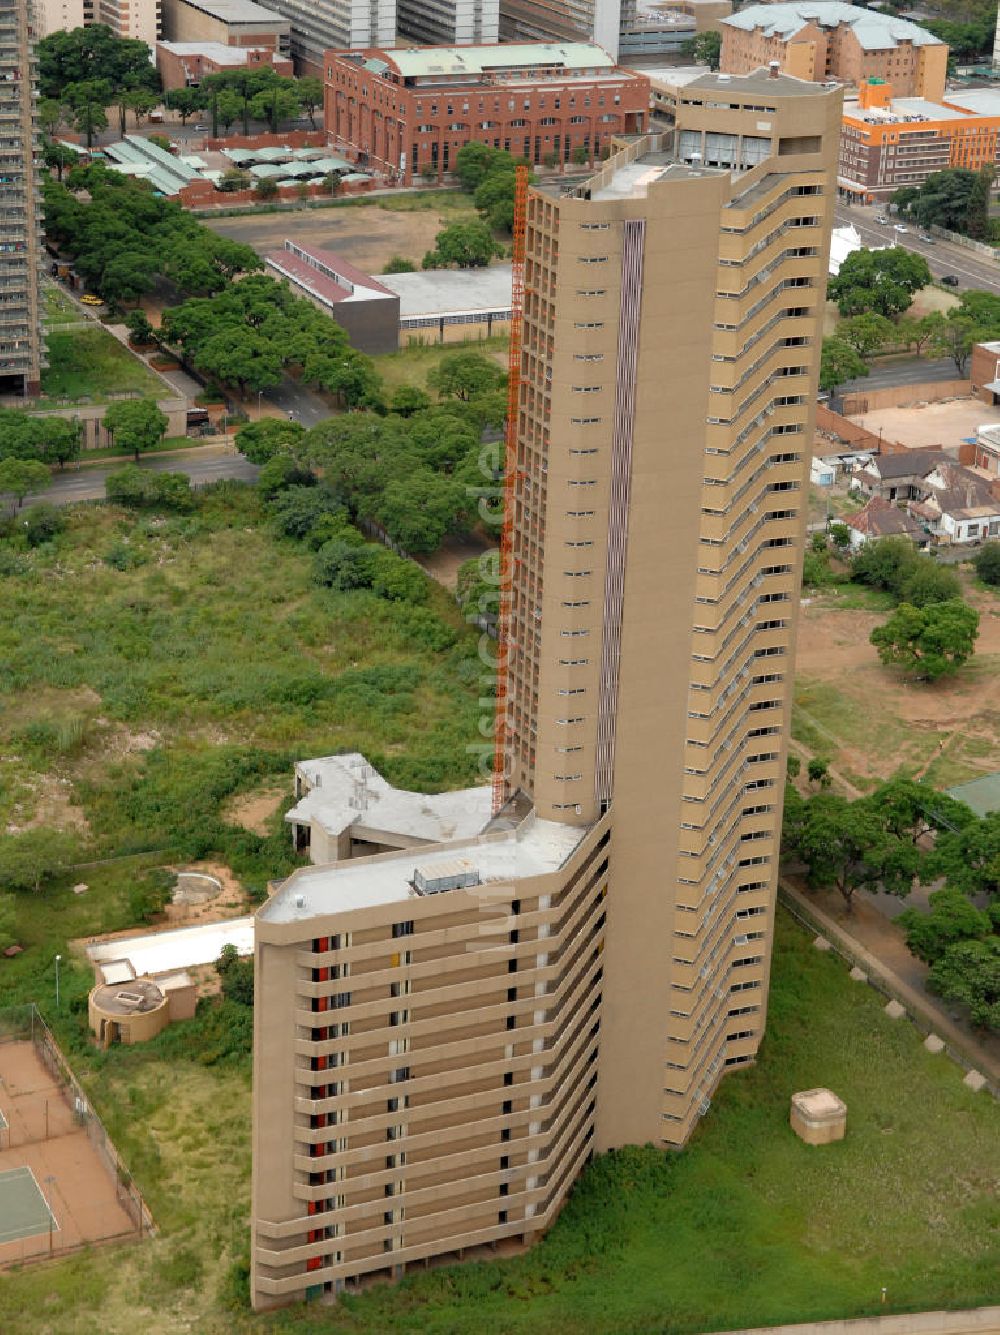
977	1321
930	1012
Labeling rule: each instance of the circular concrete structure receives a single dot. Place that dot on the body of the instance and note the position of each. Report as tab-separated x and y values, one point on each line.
129	1012
195	887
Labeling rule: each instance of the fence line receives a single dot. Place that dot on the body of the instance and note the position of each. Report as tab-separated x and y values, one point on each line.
876	973
25	1024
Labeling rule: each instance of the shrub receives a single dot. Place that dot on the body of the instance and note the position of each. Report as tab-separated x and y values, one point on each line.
41	523
987	562
399	264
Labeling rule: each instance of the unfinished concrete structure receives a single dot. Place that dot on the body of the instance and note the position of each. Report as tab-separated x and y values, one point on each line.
444	1034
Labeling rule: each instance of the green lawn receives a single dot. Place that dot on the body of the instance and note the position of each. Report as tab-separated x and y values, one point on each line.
89	365
59	309
411	365
747	1226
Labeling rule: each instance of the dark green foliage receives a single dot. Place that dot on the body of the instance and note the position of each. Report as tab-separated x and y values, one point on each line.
895	565
468	245
987	563
135	425
150	894
952	917
883	281
946	199
29	860
967	853
236	975
478	586
969	972
41	523
488	174
263	439
90	53
848	845
704	49
141	488
399	264
297	510
839	362
928	642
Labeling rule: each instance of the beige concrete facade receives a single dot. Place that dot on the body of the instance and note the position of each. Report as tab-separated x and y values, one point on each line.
21	346
673	317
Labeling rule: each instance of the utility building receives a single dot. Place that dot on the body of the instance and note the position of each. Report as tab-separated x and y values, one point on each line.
447	1026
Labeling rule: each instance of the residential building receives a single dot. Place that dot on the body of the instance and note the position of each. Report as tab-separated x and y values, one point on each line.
448	22
240	23
61	15
833	40
984	372
135	19
597	21
21	254
957	505
319	25
899	475
363	306
447	1028
185	64
889	142
406	113
883	519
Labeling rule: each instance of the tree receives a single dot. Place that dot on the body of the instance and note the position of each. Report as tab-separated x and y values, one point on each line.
967	854
818	771
846	845
41	523
331	183
227	106
30	859
266	188
310	95
343	564
8	921
956	336
977	217
20	477
51	115
235	178
236	975
928	642
704	49
185	101
408	399
475	161
399	264
987	563
276	103
884	564
88	102
140	101
928	583
466	375
970	972
840	536
580	155
880	281
261	440
58	441
944	199
867	333
136	425
60	157
912	810
951	917
93	52
128	277
839	362
470	245
139	329
494	198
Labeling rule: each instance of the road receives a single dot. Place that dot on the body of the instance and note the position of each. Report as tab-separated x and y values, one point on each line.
208	463
902	371
970	269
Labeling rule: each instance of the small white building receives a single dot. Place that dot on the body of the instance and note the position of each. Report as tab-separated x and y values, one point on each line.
958	505
822	473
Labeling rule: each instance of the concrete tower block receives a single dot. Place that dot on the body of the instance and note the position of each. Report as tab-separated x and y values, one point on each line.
818	1116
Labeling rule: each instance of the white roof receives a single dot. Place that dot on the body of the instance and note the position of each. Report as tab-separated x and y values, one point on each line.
165	952
451	291
874	31
414	61
217	51
844	241
239	11
981	101
535	848
348	793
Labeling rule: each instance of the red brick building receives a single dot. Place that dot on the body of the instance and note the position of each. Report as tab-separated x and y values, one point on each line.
185	64
405	112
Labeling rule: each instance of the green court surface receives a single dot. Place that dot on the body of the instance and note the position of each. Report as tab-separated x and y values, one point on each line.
23	1209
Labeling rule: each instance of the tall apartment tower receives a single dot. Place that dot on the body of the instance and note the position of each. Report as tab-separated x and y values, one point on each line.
326	25
448	22
571	20
21	215
448	1026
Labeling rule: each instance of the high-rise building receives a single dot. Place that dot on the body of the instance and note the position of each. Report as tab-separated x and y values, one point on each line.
322	25
449	1024
21	215
597	21
448	22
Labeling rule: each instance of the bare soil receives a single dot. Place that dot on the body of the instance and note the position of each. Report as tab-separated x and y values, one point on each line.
253	811
946	423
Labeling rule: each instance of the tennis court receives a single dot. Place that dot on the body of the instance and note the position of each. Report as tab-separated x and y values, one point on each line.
24	1211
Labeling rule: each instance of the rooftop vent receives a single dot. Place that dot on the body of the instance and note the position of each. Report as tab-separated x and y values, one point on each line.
774	69
300	901
458	874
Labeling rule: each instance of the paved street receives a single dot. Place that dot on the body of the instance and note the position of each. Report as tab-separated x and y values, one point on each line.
971	269
902	371
207	463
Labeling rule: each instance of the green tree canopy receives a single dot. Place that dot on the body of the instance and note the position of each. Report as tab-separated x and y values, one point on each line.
969	972
987	563
263	439
94	52
846	845
945	199
30	859
968	855
880	281
469	245
928	642
705	48
136	425
185	101
951	917
839	362
466	375
20	477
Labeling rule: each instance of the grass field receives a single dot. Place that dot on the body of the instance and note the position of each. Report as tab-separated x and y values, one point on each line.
59	309
411	365
89	365
747	1226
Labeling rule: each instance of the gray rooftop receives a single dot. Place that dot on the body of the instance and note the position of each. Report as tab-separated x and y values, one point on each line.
875	31
239	11
758	82
451	291
980	101
416	61
535	848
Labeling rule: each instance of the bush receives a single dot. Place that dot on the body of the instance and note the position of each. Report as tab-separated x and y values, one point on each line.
343	564
297	510
400	264
137	488
815	569
41	523
987	562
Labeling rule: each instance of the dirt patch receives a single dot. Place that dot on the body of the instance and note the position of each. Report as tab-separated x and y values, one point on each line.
443	565
51	805
253	811
946	423
367	236
227	902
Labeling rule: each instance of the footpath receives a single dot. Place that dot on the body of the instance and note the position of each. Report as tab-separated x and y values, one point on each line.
976	1321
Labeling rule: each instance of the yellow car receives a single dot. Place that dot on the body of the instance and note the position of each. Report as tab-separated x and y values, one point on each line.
89	299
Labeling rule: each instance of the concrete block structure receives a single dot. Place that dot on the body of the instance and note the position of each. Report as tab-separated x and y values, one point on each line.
319	25
228	22
597	21
363	306
447	22
60	15
21	252
833	40
406	112
444	1033
818	1116
452	305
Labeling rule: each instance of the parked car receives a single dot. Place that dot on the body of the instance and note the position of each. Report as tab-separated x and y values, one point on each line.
927	240
202	129
89	299
950	280
898	227
882	222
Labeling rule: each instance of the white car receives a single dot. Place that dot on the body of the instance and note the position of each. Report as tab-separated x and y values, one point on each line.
898	227
882	222
202	129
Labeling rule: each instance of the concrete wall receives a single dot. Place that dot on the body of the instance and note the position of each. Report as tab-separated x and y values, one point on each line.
902	396
91	417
